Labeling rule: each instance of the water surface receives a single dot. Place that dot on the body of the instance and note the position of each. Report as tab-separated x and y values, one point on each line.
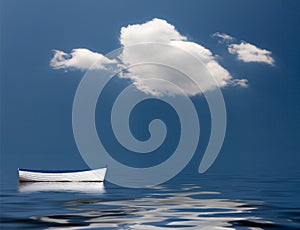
186	202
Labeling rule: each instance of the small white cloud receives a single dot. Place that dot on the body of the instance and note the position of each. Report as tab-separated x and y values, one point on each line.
245	51
250	53
223	37
240	82
157	31
82	59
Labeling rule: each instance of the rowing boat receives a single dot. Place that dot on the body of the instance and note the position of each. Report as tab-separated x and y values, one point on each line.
95	175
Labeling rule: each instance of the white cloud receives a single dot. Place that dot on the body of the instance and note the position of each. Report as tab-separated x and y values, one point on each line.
245	51
158	31
221	75
240	82
223	37
250	53
81	59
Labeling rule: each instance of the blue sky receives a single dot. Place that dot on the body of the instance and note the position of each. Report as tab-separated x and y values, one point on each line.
36	100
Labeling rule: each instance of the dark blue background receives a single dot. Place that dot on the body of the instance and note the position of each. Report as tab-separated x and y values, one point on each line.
36	101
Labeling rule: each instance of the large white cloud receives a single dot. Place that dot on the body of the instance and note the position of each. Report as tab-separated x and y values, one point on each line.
155	31
250	53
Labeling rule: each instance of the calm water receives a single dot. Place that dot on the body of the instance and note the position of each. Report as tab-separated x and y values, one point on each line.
187	202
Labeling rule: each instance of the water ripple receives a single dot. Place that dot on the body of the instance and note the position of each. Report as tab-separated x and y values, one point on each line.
185	206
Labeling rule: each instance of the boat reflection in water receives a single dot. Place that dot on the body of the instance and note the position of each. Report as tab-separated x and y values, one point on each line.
80	187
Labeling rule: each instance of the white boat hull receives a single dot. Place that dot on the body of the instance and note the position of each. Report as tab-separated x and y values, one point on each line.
96	175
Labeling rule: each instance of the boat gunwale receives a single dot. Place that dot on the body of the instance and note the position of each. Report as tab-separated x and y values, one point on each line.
59	171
